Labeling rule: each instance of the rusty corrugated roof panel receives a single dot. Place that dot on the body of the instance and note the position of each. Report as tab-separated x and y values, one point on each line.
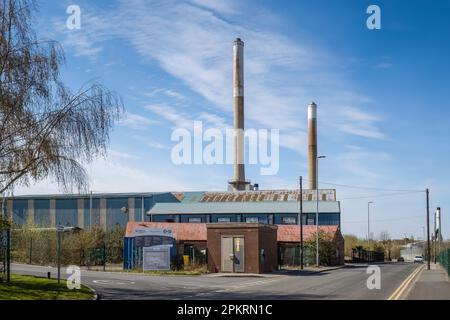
267	195
197	231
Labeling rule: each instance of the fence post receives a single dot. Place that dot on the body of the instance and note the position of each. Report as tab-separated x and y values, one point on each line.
104	257
31	250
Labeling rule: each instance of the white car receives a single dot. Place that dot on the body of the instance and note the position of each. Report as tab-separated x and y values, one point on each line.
418	259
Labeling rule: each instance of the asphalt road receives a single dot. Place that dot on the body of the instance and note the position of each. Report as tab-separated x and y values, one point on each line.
345	283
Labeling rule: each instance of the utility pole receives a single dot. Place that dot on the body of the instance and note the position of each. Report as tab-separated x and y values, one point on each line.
428	229
90	210
300	221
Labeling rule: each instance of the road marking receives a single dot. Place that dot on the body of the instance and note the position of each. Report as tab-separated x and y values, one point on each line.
119	282
401	289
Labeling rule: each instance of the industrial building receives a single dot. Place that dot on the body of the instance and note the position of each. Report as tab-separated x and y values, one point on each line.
110	210
242	203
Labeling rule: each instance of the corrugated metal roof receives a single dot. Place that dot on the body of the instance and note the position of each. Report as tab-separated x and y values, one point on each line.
86	195
244	207
269	195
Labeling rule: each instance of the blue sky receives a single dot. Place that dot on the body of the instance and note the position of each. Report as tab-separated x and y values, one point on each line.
382	95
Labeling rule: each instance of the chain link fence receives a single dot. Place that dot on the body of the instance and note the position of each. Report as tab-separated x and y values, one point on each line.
91	248
3	261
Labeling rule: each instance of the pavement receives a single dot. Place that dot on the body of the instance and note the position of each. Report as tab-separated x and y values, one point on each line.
430	284
349	282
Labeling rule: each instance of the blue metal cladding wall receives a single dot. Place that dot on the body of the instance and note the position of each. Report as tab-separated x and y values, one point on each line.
19	213
42	212
95	212
115	217
67	212
138	214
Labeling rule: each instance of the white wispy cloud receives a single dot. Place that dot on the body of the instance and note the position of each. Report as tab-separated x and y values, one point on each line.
383	65
122	155
181	119
360	123
223	7
136	121
191	40
359	163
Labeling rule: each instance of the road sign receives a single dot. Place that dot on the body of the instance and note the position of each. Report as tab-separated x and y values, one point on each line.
60	228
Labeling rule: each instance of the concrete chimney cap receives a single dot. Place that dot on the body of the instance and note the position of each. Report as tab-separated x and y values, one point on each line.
238	41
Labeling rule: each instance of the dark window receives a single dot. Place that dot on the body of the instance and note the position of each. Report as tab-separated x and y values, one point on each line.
195	220
223	220
164	218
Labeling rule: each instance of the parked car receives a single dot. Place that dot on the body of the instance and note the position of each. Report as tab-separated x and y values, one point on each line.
418	259
401	259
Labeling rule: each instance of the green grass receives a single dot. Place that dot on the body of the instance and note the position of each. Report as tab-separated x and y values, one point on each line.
36	288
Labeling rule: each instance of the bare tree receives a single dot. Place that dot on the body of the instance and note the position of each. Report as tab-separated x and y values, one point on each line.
384	236
45	129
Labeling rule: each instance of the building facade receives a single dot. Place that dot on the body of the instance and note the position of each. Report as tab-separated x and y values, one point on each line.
109	211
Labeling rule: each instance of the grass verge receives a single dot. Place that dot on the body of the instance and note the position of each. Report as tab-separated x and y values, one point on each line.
36	288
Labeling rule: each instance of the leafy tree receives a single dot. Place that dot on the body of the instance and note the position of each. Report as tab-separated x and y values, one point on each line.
46	130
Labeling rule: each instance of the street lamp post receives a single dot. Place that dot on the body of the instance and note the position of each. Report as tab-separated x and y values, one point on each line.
368	224
317	209
300	222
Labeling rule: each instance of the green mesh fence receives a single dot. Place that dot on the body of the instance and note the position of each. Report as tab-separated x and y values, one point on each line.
443	260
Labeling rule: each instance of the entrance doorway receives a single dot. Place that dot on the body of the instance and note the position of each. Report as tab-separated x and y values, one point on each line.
232	253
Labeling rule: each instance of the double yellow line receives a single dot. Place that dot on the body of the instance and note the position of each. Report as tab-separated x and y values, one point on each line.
400	290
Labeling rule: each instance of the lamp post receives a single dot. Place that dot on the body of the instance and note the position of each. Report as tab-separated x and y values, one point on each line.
300	222
317	209
368	224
